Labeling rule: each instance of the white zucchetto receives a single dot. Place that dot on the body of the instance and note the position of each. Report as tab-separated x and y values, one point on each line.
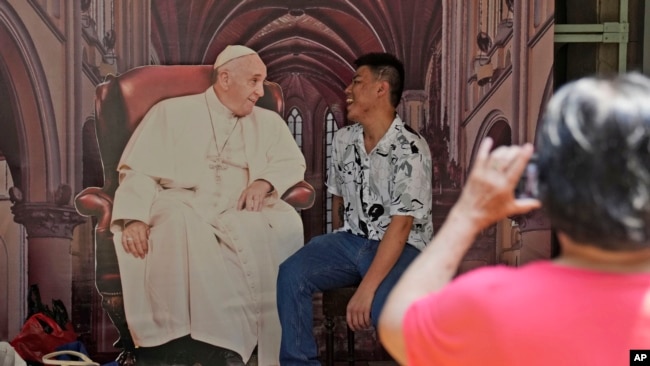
232	52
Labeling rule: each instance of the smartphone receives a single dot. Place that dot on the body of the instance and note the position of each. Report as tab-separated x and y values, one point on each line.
528	183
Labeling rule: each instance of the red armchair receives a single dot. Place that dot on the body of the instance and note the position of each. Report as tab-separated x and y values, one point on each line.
120	104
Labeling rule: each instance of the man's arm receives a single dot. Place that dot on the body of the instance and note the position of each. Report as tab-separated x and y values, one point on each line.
337	212
487	197
389	250
278	161
132	204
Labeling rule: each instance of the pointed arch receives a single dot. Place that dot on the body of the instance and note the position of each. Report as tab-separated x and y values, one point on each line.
497	127
27	111
295	123
331	126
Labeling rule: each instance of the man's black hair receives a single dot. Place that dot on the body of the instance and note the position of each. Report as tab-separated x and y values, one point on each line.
385	66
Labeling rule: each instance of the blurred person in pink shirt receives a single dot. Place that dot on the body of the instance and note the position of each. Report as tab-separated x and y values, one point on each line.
588	306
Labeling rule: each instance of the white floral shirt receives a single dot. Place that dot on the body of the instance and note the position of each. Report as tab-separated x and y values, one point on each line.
393	179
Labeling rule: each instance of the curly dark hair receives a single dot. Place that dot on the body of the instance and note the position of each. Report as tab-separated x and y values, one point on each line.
593	154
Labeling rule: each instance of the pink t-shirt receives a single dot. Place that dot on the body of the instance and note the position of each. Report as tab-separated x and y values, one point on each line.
539	314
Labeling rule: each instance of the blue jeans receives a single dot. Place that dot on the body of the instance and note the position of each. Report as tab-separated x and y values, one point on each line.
328	261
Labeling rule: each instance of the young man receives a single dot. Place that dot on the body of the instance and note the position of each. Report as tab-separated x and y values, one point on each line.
380	178
590	305
200	229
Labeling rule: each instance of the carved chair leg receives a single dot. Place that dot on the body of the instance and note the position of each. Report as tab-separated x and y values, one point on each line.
329	341
350	347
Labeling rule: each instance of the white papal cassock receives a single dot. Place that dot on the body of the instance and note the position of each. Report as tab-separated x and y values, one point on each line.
211	269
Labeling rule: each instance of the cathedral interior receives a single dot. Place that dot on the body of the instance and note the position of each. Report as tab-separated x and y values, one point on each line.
473	69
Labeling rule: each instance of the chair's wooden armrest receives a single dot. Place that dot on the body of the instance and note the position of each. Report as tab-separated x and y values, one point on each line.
301	195
93	201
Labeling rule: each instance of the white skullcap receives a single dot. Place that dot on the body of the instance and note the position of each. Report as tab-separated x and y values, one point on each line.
232	52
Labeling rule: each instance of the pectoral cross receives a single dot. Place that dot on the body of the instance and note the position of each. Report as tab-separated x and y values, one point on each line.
216	164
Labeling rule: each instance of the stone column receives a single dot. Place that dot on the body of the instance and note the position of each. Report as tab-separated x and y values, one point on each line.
133	29
413	107
49	227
